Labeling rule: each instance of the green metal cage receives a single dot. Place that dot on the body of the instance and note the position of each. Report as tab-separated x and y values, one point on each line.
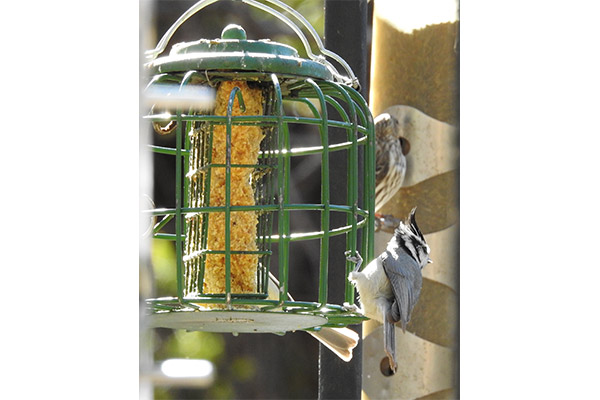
284	79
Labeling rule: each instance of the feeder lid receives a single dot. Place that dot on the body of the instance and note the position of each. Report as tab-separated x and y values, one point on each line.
233	52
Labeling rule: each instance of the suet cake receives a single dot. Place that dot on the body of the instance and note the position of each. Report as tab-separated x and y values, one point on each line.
245	146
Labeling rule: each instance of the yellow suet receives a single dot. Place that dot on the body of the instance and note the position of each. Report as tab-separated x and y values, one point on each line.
245	146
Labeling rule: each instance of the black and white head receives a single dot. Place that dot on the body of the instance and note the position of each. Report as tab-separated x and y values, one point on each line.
409	237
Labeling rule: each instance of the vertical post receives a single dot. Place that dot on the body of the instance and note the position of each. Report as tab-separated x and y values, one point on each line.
414	77
345	34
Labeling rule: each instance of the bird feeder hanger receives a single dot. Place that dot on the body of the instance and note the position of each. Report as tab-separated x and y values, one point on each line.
282	76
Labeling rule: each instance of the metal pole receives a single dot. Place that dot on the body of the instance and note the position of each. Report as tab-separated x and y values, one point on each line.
345	34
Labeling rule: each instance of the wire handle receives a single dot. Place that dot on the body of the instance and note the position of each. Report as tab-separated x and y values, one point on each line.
350	80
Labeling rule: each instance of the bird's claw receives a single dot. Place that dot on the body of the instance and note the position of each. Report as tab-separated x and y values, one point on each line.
357	259
386	223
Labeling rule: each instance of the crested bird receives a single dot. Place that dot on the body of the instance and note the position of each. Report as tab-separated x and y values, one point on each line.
390	285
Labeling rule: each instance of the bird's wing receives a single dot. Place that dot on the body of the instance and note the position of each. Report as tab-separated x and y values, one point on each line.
405	278
389	172
382	162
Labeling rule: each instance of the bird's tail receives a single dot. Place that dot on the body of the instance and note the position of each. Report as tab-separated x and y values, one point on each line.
339	340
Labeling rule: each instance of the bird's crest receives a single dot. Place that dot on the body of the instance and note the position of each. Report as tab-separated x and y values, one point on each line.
409	227
413	224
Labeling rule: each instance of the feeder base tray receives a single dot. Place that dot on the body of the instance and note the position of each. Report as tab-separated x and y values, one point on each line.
235	321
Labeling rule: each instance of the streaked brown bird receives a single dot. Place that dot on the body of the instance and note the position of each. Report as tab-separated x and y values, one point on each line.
390	163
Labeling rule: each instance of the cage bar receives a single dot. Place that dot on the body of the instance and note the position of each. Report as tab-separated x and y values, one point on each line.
320	87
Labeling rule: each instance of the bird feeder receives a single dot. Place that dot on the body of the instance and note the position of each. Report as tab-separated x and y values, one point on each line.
232	184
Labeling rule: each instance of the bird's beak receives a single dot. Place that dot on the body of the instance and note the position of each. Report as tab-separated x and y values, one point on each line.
429	261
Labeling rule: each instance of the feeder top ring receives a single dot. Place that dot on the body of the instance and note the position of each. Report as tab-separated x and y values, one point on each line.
233	52
308	69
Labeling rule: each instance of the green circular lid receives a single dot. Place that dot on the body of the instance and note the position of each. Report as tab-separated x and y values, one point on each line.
233	52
